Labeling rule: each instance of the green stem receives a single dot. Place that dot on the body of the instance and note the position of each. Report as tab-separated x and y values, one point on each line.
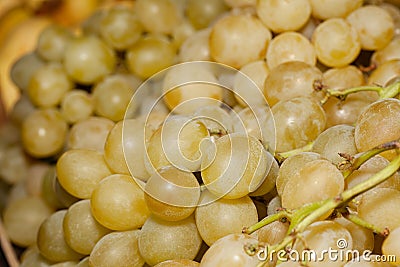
267	220
357	220
280	157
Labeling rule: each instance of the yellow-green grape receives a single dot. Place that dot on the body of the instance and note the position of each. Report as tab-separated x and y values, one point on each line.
202	13
120	27
391	245
125	147
363	238
321	236
92	24
65	264
157	16
327	9
112	95
227	35
394	12
384	217
172	194
315	181
52	42
215	118
238	167
270	180
24	68
22	219
118	203
374	26
273	233
389	52
149	55
229	251
334	140
84	262
81	230
290	46
281	16
250	75
51	242
291	79
229	216
43	133
188	87
344	77
76	105
240	3
195	47
336	42
183	31
383	115
21	109
176	142
48	85
178	263
385	72
65	198
293	131
35	173
87	59
48	189
161	240
80	170
369	168
117	249
13	164
90	133
31	258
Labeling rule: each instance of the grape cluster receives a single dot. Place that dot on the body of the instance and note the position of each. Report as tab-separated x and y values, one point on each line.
162	132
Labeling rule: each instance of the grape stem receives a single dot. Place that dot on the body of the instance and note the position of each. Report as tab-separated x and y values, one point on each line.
306	215
280	157
359	221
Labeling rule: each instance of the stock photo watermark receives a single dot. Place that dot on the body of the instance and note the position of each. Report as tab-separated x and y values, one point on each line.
341	254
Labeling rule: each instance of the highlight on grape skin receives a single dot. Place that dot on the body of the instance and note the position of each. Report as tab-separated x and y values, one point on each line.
189	134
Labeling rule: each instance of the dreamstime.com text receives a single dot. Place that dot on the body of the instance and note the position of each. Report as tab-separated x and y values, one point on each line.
342	254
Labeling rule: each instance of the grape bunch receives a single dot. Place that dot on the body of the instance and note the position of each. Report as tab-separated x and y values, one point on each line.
208	133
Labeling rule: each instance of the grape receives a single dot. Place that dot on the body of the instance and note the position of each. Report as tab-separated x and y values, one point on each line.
43	133
281	16
34	179
22	219
172	194
342	78
385	72
90	134
162	240
22	108
80	170
226	45
84	262
187	87
182	32
52	42
230	174
124	149
149	55
374	26
327	9
117	249
112	95
391	245
290	46
336	42
195	47
24	68
118	203
157	16
240	3
65	264
254	72
201	14
270	180
383	115
293	131
51	242
289	80
335	140
177	143
291	166
13	164
274	205
229	251
76	105
81	230
87	59
32	258
48	189
215	118
273	233
178	263
389	52
371	261
388	199
120	27
315	181
394	12
229	216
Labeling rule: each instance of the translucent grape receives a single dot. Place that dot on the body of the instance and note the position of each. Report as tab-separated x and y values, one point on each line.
391	245
327	9
201	14
195	47
52	42
76	105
